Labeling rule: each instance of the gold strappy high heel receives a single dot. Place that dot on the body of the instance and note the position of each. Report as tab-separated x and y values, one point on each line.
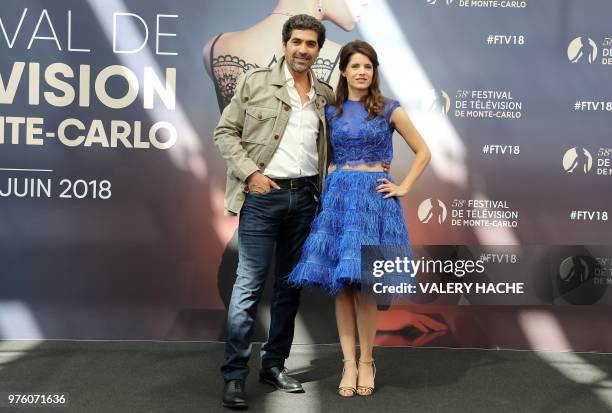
343	389
367	390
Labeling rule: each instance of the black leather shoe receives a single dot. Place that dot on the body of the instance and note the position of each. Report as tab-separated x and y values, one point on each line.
234	395
280	379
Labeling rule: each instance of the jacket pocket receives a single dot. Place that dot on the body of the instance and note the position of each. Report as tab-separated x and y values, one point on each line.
258	124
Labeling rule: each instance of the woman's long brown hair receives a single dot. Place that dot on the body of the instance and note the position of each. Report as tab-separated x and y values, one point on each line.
373	101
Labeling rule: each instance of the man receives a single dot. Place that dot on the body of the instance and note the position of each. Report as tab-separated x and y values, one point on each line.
272	136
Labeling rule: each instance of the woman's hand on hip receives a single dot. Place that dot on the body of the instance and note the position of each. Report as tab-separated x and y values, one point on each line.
390	189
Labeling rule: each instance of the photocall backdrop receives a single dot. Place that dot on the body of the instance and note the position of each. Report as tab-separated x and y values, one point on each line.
111	189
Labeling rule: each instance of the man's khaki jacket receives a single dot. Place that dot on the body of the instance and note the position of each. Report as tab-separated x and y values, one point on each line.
253	124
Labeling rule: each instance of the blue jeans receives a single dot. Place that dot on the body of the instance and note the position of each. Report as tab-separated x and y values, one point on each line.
282	217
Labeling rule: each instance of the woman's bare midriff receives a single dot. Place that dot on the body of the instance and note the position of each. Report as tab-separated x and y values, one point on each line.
364	167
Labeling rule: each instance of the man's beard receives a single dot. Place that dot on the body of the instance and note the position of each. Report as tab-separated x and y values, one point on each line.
300	67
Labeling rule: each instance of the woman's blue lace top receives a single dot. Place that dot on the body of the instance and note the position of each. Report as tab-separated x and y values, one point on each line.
356	140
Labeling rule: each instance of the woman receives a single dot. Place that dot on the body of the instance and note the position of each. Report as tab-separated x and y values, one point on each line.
360	205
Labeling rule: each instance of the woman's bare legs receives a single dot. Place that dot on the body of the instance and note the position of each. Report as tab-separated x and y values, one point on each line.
367	317
345	319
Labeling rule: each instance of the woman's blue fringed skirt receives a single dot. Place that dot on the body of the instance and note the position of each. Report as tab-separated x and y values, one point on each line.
352	214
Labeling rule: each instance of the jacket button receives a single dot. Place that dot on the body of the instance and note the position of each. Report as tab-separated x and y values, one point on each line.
276	137
261	164
259	116
285	107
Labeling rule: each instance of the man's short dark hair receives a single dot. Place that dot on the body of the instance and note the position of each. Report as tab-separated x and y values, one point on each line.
304	22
